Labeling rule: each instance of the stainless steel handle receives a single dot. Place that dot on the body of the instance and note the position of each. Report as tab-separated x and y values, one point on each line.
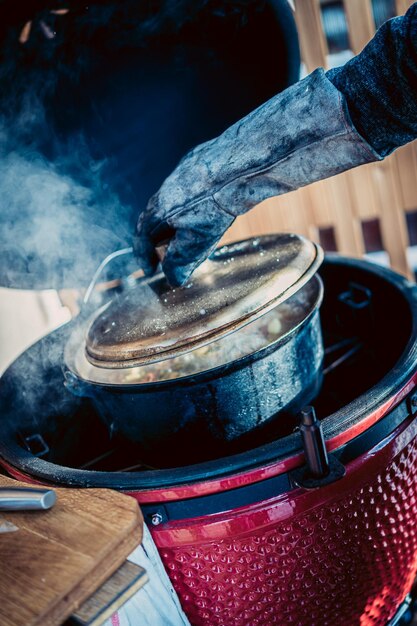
96	276
26	499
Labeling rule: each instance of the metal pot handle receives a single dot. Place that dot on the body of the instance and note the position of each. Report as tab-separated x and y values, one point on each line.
76	386
103	264
160	251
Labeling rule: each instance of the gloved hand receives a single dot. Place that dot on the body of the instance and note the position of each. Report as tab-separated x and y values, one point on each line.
301	135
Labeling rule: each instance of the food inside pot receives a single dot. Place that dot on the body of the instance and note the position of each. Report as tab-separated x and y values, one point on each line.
266	330
249	339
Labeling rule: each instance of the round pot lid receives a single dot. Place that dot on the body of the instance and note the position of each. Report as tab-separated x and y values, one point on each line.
240	282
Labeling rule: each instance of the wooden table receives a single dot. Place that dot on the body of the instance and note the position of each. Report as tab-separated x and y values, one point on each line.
54	560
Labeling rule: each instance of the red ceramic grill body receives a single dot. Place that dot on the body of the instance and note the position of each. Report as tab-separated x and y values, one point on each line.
342	554
243	543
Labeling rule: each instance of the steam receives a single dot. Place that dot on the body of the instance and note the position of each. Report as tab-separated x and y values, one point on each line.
58	215
56	228
62	208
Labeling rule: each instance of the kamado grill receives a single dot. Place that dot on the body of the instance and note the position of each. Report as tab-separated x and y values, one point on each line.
255	526
249	537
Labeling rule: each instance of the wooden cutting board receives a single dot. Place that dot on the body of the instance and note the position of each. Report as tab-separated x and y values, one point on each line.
58	558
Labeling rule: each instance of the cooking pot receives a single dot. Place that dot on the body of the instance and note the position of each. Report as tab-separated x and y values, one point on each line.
230	353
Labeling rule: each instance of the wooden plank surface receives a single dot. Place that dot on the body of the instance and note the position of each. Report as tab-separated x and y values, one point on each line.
360	21
108	599
392	216
403	5
348	230
58	558
407	167
363	192
310	31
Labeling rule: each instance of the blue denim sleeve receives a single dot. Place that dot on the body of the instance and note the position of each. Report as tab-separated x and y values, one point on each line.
380	85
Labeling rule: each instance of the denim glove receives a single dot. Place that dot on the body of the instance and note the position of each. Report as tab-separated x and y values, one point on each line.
300	136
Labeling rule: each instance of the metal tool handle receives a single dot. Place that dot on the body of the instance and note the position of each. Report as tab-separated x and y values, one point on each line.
26	499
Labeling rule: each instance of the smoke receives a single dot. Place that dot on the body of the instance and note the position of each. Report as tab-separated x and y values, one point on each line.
69	188
59	217
97	106
55	228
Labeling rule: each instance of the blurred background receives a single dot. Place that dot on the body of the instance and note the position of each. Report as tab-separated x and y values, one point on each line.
369	211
